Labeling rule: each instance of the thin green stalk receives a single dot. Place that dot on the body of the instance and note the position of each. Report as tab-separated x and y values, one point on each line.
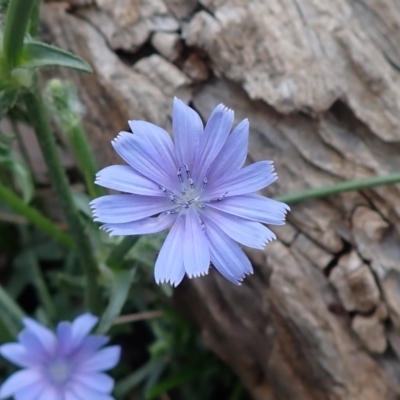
35	217
34	20
341	187
37	113
38	278
21	145
118	253
11	307
17	19
84	157
8	328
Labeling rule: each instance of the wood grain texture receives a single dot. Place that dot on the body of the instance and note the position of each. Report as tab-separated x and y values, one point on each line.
319	81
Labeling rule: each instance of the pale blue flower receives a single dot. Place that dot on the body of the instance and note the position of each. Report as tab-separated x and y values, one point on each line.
67	365
196	185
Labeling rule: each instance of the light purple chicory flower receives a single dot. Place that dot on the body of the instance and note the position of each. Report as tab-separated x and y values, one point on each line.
65	366
196	185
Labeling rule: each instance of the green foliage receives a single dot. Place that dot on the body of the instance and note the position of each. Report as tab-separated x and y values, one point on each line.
37	54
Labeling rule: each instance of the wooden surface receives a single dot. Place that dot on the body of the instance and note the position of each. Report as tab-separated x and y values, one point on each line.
319	81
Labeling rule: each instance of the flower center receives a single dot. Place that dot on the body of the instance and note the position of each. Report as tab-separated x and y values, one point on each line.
59	371
190	192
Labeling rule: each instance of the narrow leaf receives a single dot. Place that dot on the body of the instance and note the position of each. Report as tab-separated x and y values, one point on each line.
119	294
38	54
17	19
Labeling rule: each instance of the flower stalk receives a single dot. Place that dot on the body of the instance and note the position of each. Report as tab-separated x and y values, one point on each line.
347	186
16	24
35	217
37	114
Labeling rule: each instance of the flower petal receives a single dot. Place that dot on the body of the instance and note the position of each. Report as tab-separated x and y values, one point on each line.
159	140
89	345
102	360
144	159
187	127
196	253
169	264
69	395
64	337
254	207
227	257
50	393
141	227
19	380
96	381
81	326
18	355
82	392
214	137
31	392
248	233
247	180
233	154
125	179
45	335
33	346
121	208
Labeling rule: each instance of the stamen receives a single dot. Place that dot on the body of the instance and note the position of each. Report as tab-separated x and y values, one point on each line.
218	198
179	173
162	188
184	191
187	171
172	197
174	211
205	181
191	183
203	227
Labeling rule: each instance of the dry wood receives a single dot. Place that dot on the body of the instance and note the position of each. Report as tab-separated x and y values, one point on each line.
319	81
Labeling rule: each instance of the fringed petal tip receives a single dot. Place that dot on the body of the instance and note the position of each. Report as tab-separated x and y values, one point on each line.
168	282
123	135
197	274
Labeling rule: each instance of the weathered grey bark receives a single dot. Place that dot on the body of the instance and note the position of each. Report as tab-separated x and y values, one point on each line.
319	81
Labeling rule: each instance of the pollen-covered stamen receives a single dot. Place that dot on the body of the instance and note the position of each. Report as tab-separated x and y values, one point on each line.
188	175
174	211
187	204
179	173
172	196
218	198
191	183
205	181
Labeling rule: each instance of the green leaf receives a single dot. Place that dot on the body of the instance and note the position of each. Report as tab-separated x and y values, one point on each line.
23	178
174	380
133	380
119	294
18	14
38	54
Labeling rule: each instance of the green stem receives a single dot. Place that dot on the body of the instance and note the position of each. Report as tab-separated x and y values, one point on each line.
35	217
118	253
21	145
341	187
11	307
34	20
37	113
18	14
38	278
84	156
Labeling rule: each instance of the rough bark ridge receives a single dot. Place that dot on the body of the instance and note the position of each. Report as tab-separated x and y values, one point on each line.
319	81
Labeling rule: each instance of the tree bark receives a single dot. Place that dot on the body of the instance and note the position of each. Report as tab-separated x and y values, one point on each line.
319	81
